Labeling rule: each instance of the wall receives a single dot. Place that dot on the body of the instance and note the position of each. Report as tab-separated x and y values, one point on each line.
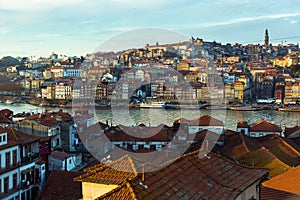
91	191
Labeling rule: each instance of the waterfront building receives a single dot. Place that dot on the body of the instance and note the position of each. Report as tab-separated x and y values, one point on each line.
259	129
206	122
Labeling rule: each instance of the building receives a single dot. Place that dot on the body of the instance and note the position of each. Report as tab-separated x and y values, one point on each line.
22	173
59	126
188	176
63	161
259	129
206	122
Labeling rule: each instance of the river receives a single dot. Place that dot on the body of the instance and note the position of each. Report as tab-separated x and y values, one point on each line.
154	117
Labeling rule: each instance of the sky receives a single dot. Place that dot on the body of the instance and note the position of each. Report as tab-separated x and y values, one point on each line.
77	27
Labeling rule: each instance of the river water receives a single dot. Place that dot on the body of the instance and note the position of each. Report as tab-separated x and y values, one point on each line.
154	117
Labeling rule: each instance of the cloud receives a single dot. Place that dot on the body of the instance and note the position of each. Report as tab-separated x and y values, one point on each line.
35	4
247	19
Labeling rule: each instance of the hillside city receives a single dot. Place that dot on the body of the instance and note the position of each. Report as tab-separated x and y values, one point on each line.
215	73
59	155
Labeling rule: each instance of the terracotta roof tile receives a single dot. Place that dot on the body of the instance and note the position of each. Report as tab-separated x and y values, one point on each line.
60	155
264	126
273	194
206	120
281	149
188	177
114	173
288	181
60	185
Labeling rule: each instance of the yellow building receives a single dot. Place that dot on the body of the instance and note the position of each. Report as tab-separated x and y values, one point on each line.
239	88
184	65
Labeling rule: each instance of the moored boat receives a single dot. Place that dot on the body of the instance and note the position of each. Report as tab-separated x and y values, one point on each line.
296	109
9	101
156	104
245	108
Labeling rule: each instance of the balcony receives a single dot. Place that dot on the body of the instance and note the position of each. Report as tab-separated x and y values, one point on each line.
10	168
30	158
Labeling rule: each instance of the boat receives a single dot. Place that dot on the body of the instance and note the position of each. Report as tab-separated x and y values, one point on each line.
156	104
216	107
245	108
295	109
8	101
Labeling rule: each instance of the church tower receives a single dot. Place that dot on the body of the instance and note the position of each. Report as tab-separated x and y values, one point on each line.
266	38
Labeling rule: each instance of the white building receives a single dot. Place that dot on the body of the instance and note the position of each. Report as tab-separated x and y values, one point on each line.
206	122
63	161
259	129
21	172
63	90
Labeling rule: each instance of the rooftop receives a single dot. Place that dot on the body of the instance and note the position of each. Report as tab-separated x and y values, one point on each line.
264	126
206	120
189	176
60	185
288	181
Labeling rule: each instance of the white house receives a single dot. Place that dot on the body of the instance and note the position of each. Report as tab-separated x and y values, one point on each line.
259	129
63	161
20	175
206	122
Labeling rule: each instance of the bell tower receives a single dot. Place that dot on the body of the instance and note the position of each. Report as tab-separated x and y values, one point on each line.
267	38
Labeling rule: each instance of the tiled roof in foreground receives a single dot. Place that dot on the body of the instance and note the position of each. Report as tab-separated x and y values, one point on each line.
191	176
288	181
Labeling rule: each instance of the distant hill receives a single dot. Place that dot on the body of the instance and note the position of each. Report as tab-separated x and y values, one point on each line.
8	61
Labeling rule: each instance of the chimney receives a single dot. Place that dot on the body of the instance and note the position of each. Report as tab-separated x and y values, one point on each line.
206	146
143	173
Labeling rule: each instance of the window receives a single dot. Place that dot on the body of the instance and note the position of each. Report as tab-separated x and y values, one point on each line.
70	161
7	161
15	180
15	158
6	179
4	138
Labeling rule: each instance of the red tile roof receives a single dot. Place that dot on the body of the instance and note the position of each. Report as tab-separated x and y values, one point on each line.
206	120
281	149
60	155
288	181
16	137
189	176
114	173
160	133
273	194
60	185
264	126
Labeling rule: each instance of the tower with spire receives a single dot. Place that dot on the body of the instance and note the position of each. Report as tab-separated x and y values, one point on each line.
266	38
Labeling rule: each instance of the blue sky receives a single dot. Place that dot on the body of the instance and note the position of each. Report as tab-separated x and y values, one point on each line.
77	27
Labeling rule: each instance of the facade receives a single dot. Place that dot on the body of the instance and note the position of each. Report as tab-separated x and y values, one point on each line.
63	161
21	173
